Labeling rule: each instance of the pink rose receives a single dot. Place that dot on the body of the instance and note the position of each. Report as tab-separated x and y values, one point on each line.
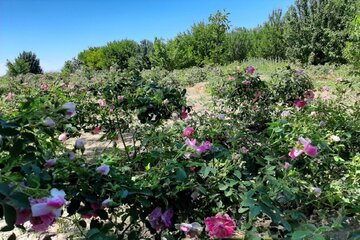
106	202
220	226
308	149
103	169
22	216
317	191
191	143
70	108
80	144
287	165
42	223
325	88
159	220
44	86
184	113
204	147
48	122
244	150
313	114
72	155
63	137
45	211
309	95
257	95
120	99
299	103
96	130
192	230
285	113
188	132
250	70
9	96
246	82
102	102
49	163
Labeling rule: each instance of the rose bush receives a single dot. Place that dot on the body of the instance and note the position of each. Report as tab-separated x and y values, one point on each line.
256	165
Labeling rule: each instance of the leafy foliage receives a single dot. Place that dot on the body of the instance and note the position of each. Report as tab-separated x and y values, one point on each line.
309	32
26	62
244	169
352	49
289	85
316	31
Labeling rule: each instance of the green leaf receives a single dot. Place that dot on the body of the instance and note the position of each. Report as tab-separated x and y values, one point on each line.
248	202
254	211
95	223
92	233
223	187
180	174
5	189
228	193
17	148
45	176
317	237
277	129
242	210
7	228
147	167
252	235
133	235
19	200
354	235
324	229
299	235
8	132
107	227
10	214
146	192
102	214
338	159
124	194
237	173
144	202
205	171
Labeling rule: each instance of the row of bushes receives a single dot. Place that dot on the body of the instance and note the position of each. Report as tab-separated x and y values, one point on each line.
216	174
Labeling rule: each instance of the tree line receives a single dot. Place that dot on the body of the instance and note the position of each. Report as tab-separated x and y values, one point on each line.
309	32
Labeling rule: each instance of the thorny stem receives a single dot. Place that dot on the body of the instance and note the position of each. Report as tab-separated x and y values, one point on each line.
123	141
134	143
122	137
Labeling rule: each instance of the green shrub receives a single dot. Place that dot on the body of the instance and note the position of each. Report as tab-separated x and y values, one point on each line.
26	62
245	95
290	84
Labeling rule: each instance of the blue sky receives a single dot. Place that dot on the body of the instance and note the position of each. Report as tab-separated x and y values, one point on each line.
57	30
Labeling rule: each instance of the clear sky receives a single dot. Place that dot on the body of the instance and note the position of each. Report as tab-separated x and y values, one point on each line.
57	30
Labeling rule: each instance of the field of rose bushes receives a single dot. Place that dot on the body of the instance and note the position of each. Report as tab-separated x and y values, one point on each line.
274	159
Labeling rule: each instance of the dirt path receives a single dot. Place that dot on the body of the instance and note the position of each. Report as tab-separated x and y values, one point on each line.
197	97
